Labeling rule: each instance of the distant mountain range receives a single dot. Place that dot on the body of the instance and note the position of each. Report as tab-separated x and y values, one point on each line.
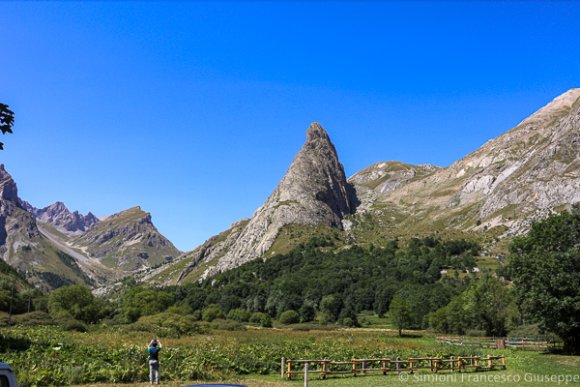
490	194
53	247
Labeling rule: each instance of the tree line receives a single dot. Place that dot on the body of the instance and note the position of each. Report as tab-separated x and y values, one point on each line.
423	283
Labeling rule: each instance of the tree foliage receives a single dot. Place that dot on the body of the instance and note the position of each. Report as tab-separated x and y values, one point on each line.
545	267
401	312
6	121
289	317
486	304
334	286
140	301
76	302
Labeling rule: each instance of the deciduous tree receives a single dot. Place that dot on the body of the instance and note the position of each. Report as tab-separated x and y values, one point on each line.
545	267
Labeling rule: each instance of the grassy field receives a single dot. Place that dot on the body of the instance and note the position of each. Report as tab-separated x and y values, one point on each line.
107	357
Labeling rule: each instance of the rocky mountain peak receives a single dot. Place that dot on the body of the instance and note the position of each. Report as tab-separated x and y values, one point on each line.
559	106
316	174
316	133
57	207
133	214
58	215
90	217
8	189
127	241
313	192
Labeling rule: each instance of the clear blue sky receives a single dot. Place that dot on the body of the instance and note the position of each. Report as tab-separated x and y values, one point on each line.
195	110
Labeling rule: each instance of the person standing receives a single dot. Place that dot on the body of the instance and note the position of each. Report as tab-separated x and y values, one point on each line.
154	348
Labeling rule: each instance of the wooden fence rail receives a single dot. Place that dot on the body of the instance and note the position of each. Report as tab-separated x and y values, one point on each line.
500	342
385	365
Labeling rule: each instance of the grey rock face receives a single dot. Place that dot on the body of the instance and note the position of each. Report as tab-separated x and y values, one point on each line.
384	177
127	241
314	191
18	230
542	172
59	216
530	170
8	190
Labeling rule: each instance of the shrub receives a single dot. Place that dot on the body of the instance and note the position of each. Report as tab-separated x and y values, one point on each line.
167	325
322	318
239	314
348	322
74	325
196	315
307	312
132	314
263	319
33	318
227	325
289	317
183	309
211	312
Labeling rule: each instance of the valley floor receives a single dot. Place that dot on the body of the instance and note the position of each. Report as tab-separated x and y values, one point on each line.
234	357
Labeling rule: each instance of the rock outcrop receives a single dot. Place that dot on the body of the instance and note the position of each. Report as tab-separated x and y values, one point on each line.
8	190
384	177
313	191
69	222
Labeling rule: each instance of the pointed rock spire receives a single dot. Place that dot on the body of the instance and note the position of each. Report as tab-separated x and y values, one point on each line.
313	191
316	132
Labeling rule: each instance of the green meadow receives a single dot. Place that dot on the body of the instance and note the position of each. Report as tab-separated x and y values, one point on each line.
46	356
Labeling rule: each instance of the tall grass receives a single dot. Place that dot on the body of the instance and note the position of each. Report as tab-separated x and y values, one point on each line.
45	356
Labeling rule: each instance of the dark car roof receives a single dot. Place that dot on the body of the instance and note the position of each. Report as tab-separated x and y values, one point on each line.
4	366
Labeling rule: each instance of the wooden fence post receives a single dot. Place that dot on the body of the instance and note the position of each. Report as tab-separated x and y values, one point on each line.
452	363
306	374
289	369
489	361
398	365
282	365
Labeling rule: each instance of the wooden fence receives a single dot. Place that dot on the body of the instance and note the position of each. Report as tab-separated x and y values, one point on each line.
500	342
291	368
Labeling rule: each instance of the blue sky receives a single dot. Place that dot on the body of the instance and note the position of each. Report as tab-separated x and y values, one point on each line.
195	110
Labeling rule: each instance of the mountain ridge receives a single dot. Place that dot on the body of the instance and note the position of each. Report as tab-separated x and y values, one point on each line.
495	191
505	170
522	175
53	247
